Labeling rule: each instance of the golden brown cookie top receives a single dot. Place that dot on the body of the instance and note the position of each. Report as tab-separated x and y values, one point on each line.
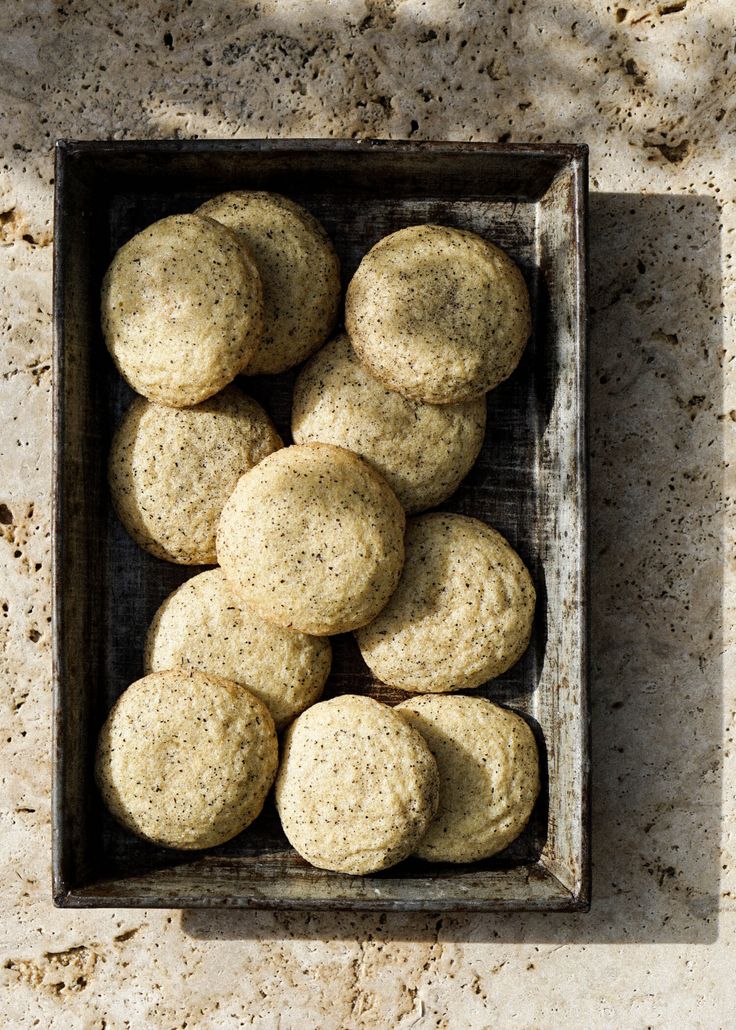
182	309
355	791
299	270
202	625
186	759
312	539
422	450
438	314
172	469
461	614
489	774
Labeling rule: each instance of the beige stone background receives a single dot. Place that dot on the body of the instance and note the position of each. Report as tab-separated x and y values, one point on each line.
650	88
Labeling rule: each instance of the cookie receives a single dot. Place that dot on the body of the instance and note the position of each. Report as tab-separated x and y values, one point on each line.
489	775
462	612
312	539
172	469
299	270
185	760
182	309
438	314
202	625
357	786
422	450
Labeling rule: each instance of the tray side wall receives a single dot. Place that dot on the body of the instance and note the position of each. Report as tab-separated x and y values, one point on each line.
79	480
562	525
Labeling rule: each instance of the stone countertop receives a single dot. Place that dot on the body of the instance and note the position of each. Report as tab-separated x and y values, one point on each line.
651	89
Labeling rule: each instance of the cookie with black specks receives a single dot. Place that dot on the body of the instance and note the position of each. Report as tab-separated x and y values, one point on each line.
203	625
422	450
299	270
182	309
489	775
172	469
357	786
185	760
312	539
438	314
462	612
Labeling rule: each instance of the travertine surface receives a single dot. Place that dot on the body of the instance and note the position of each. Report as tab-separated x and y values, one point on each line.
651	88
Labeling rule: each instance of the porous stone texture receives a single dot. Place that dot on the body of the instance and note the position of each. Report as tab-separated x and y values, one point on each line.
650	87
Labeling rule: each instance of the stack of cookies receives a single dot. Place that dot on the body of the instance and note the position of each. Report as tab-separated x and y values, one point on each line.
312	539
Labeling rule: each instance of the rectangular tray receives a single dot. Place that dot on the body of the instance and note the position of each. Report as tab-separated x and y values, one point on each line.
530	483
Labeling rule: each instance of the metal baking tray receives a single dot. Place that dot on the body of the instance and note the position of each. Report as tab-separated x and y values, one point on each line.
529	482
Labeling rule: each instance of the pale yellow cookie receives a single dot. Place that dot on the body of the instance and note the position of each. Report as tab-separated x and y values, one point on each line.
462	612
489	775
438	314
185	759
357	786
182	309
313	539
172	469
202	625
299	270
422	450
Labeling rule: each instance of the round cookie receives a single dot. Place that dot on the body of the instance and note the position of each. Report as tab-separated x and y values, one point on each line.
299	270
422	450
462	612
202	625
438	314
313	539
172	469
182	309
355	791
489	775
185	760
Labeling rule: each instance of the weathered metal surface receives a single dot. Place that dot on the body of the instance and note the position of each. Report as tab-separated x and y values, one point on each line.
529	482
